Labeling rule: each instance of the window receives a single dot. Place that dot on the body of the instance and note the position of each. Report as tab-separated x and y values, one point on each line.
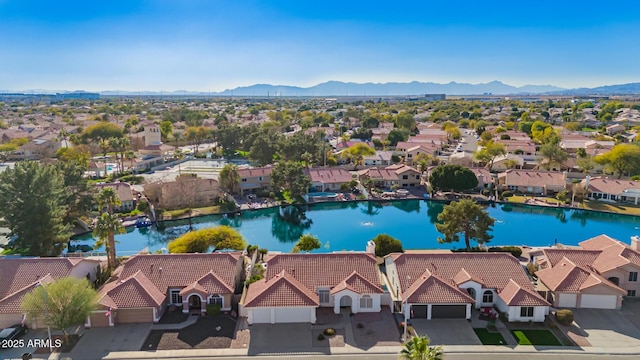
260	178
487	296
405	177
176	298
631	293
366	302
324	296
526	311
215	299
633	276
244	179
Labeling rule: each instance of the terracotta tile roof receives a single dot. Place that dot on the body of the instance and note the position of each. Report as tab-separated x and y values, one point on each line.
610	186
532	178
463	276
329	175
280	290
493	270
255	172
566	276
577	256
180	270
136	291
614	253
358	284
431	289
515	295
12	303
324	270
18	274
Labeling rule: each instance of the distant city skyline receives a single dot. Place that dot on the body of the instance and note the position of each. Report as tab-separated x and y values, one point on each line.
199	45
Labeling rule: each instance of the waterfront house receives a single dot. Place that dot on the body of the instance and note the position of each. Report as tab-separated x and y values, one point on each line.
532	182
186	192
295	285
332	179
612	190
395	175
125	195
253	180
596	275
146	286
439	285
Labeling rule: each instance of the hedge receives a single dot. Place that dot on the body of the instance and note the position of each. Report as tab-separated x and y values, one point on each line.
564	317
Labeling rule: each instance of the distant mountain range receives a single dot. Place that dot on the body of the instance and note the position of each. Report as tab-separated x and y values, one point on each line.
339	88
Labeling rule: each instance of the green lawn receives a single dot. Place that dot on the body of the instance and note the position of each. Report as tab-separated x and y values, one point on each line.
535	337
489	338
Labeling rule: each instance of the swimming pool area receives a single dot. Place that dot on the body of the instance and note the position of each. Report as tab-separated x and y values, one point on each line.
349	225
324	195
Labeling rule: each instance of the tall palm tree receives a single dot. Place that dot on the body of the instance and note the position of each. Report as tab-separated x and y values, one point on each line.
107	226
120	145
104	146
130	155
108	198
230	179
418	349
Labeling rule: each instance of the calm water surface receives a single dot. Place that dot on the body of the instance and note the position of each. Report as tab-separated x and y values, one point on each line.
348	226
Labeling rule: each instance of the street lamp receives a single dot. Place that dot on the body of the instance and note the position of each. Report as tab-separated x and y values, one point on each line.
46	314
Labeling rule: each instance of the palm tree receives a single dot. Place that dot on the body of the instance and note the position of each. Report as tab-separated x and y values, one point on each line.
418	349
230	179
107	226
130	155
120	145
108	198
104	146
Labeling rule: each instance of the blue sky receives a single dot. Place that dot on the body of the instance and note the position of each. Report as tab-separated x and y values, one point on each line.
214	45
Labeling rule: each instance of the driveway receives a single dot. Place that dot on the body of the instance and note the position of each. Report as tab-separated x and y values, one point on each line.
446	331
276	338
97	342
16	353
607	328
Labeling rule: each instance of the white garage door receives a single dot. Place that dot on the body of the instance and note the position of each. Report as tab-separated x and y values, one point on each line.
567	300
293	315
261	315
598	301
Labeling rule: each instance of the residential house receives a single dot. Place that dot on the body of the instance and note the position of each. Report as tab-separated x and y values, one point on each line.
485	179
124	191
145	286
323	179
461	158
20	276
613	190
380	158
523	147
439	285
532	182
253	180
614	129
295	285
183	193
395	175
597	274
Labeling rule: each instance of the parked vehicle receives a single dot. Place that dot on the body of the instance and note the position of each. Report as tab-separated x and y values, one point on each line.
12	332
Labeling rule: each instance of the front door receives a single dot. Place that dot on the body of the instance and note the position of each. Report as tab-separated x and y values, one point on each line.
345	301
194	302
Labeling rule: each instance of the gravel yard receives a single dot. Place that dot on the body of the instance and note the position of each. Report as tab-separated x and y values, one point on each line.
377	329
207	333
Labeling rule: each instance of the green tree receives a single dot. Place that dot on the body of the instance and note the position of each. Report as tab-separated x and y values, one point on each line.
357	152
585	164
166	129
107	227
552	154
404	120
290	176
386	244
489	152
418	349
196	135
230	179
452	177
101	131
69	301
467	218
264	147
34	205
308	242
397	135
120	146
218	238
622	159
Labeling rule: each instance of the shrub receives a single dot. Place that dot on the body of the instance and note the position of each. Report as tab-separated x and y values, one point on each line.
564	316
329	331
486	192
507	194
213	309
320	337
514	250
532	268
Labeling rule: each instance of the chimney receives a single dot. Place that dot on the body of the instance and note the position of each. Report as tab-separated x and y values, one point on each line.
635	243
587	181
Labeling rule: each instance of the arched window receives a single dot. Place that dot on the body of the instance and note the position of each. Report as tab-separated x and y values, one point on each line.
487	296
216	299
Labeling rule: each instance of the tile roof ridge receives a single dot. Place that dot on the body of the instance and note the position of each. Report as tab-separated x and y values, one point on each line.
33	284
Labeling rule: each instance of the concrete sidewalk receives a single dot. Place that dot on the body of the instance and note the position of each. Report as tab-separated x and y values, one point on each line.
451	349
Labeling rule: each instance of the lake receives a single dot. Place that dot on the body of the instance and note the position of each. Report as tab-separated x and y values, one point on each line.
349	225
